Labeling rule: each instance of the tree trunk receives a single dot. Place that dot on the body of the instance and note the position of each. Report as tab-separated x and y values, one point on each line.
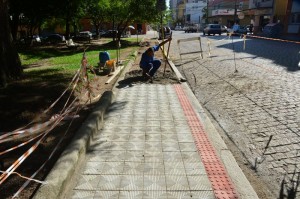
10	64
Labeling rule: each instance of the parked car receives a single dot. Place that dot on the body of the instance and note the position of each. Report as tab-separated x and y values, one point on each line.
190	28
83	36
55	38
30	40
212	29
110	33
101	32
178	28
86	34
273	30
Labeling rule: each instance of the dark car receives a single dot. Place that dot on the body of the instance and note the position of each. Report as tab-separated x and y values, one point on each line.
55	38
110	33
212	29
83	36
190	28
30	40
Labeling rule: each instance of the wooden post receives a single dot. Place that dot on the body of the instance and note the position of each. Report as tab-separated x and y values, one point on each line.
167	53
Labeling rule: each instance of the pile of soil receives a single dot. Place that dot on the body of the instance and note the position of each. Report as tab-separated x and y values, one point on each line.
25	103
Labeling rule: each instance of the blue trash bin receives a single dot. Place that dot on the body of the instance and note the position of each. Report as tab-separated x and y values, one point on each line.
103	57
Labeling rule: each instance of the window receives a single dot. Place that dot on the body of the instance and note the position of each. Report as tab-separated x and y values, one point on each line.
295	18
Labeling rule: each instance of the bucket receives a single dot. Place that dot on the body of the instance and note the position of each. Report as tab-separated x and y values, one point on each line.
104	56
111	64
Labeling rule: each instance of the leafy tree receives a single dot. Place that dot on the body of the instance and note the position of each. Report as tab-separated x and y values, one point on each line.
71	11
32	14
98	12
124	12
10	65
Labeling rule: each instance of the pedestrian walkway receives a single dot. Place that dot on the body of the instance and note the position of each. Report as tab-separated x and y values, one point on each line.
154	145
145	150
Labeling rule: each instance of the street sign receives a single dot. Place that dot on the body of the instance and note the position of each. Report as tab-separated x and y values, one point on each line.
241	15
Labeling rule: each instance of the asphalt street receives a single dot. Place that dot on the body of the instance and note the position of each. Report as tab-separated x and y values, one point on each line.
251	88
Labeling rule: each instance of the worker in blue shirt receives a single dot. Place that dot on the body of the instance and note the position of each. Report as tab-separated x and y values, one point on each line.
149	63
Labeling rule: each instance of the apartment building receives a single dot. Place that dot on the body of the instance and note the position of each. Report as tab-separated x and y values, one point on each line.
187	11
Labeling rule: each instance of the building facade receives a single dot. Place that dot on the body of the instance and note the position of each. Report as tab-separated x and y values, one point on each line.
293	19
193	12
257	12
187	11
228	12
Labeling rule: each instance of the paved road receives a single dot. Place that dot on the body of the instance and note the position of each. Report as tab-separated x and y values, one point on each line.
254	95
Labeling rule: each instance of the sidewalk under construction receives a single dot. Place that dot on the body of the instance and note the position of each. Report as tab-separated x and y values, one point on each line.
156	142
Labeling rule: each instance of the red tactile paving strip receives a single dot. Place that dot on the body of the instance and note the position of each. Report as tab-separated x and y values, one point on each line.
216	172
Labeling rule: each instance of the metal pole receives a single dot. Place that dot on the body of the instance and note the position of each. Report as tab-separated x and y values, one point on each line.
207	11
235	12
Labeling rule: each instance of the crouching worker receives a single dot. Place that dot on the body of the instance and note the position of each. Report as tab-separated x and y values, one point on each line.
149	64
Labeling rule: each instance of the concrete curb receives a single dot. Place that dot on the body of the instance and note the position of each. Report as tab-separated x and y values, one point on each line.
63	170
62	173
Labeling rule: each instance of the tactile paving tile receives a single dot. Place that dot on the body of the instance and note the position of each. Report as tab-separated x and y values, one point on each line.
219	179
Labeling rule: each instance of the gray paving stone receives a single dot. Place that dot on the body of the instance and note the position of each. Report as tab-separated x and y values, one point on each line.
177	182
109	182
131	182
146	150
154	168
88	182
134	168
155	194
153	146
203	194
130	194
78	194
199	182
107	195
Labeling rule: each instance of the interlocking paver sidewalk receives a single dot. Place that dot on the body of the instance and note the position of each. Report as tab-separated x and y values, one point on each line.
155	145
145	150
156	142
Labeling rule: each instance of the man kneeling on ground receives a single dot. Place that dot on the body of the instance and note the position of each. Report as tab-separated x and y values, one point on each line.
149	63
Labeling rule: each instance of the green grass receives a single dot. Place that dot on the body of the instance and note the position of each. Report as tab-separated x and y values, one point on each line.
50	63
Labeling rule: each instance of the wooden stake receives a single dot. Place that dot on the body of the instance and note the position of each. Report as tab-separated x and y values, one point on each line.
167	54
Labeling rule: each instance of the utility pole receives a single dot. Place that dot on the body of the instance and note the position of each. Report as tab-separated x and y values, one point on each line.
207	2
235	12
